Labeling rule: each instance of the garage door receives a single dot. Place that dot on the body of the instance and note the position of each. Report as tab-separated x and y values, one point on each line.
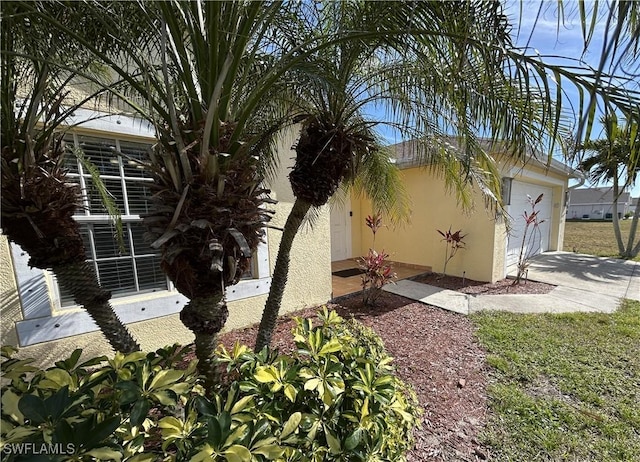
537	241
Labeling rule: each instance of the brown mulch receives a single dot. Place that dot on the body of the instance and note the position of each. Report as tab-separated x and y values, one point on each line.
471	287
435	351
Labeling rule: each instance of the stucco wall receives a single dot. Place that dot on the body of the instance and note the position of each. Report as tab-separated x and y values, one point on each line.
419	243
434	208
309	284
9	299
559	217
500	250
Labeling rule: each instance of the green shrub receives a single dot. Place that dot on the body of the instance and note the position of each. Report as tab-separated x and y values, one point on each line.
335	398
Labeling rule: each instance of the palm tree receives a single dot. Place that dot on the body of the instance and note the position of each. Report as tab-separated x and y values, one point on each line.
618	56
38	199
217	79
430	83
209	76
611	160
211	106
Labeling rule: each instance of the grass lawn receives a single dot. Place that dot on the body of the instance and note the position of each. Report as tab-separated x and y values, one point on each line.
563	387
594	238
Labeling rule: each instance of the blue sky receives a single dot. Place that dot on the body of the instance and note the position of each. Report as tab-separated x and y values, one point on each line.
549	37
543	34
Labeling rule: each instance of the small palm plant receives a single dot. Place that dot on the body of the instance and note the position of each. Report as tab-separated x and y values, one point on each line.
374	223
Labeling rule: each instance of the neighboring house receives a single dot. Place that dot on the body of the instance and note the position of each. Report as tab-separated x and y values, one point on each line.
596	204
491	251
38	316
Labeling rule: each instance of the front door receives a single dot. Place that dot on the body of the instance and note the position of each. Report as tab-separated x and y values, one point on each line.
341	231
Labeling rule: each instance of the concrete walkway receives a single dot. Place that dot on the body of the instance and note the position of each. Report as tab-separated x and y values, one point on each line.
584	283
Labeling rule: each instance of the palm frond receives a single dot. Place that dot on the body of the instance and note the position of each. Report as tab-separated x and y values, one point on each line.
106	198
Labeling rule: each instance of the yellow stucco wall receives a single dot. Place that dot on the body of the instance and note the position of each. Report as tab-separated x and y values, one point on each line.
500	250
419	243
309	284
433	208
9	300
309	281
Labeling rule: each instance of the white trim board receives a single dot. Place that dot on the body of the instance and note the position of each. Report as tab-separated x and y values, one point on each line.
523	174
67	324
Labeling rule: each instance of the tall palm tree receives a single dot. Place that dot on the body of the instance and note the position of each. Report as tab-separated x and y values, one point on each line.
611	160
38	199
209	76
211	106
216	78
618	56
431	84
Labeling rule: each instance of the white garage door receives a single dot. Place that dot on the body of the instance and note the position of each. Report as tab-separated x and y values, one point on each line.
535	241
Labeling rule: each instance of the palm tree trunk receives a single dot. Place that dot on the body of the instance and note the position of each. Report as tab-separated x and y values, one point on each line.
79	279
631	250
616	220
205	317
280	274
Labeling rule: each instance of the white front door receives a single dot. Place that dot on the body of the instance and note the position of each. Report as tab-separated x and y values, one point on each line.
341	231
536	241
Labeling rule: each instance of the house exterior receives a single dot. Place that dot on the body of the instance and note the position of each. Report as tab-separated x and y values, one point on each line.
46	324
492	241
596	204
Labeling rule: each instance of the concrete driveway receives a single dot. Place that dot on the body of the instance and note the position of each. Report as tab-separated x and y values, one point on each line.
583	283
588	274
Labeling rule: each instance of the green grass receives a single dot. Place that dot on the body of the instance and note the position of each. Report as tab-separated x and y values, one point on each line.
595	238
563	387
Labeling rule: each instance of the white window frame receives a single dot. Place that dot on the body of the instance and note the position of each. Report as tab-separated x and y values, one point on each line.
86	217
43	317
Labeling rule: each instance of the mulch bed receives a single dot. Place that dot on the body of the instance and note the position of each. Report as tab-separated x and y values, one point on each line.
435	351
471	287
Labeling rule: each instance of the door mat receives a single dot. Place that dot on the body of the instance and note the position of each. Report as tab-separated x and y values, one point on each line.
348	272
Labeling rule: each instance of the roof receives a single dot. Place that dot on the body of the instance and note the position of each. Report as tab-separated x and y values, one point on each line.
596	196
406	156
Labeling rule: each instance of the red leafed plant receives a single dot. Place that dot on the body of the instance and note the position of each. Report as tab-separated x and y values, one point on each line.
454	243
374	222
527	248
377	270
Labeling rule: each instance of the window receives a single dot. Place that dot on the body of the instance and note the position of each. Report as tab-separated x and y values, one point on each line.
128	266
140	289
